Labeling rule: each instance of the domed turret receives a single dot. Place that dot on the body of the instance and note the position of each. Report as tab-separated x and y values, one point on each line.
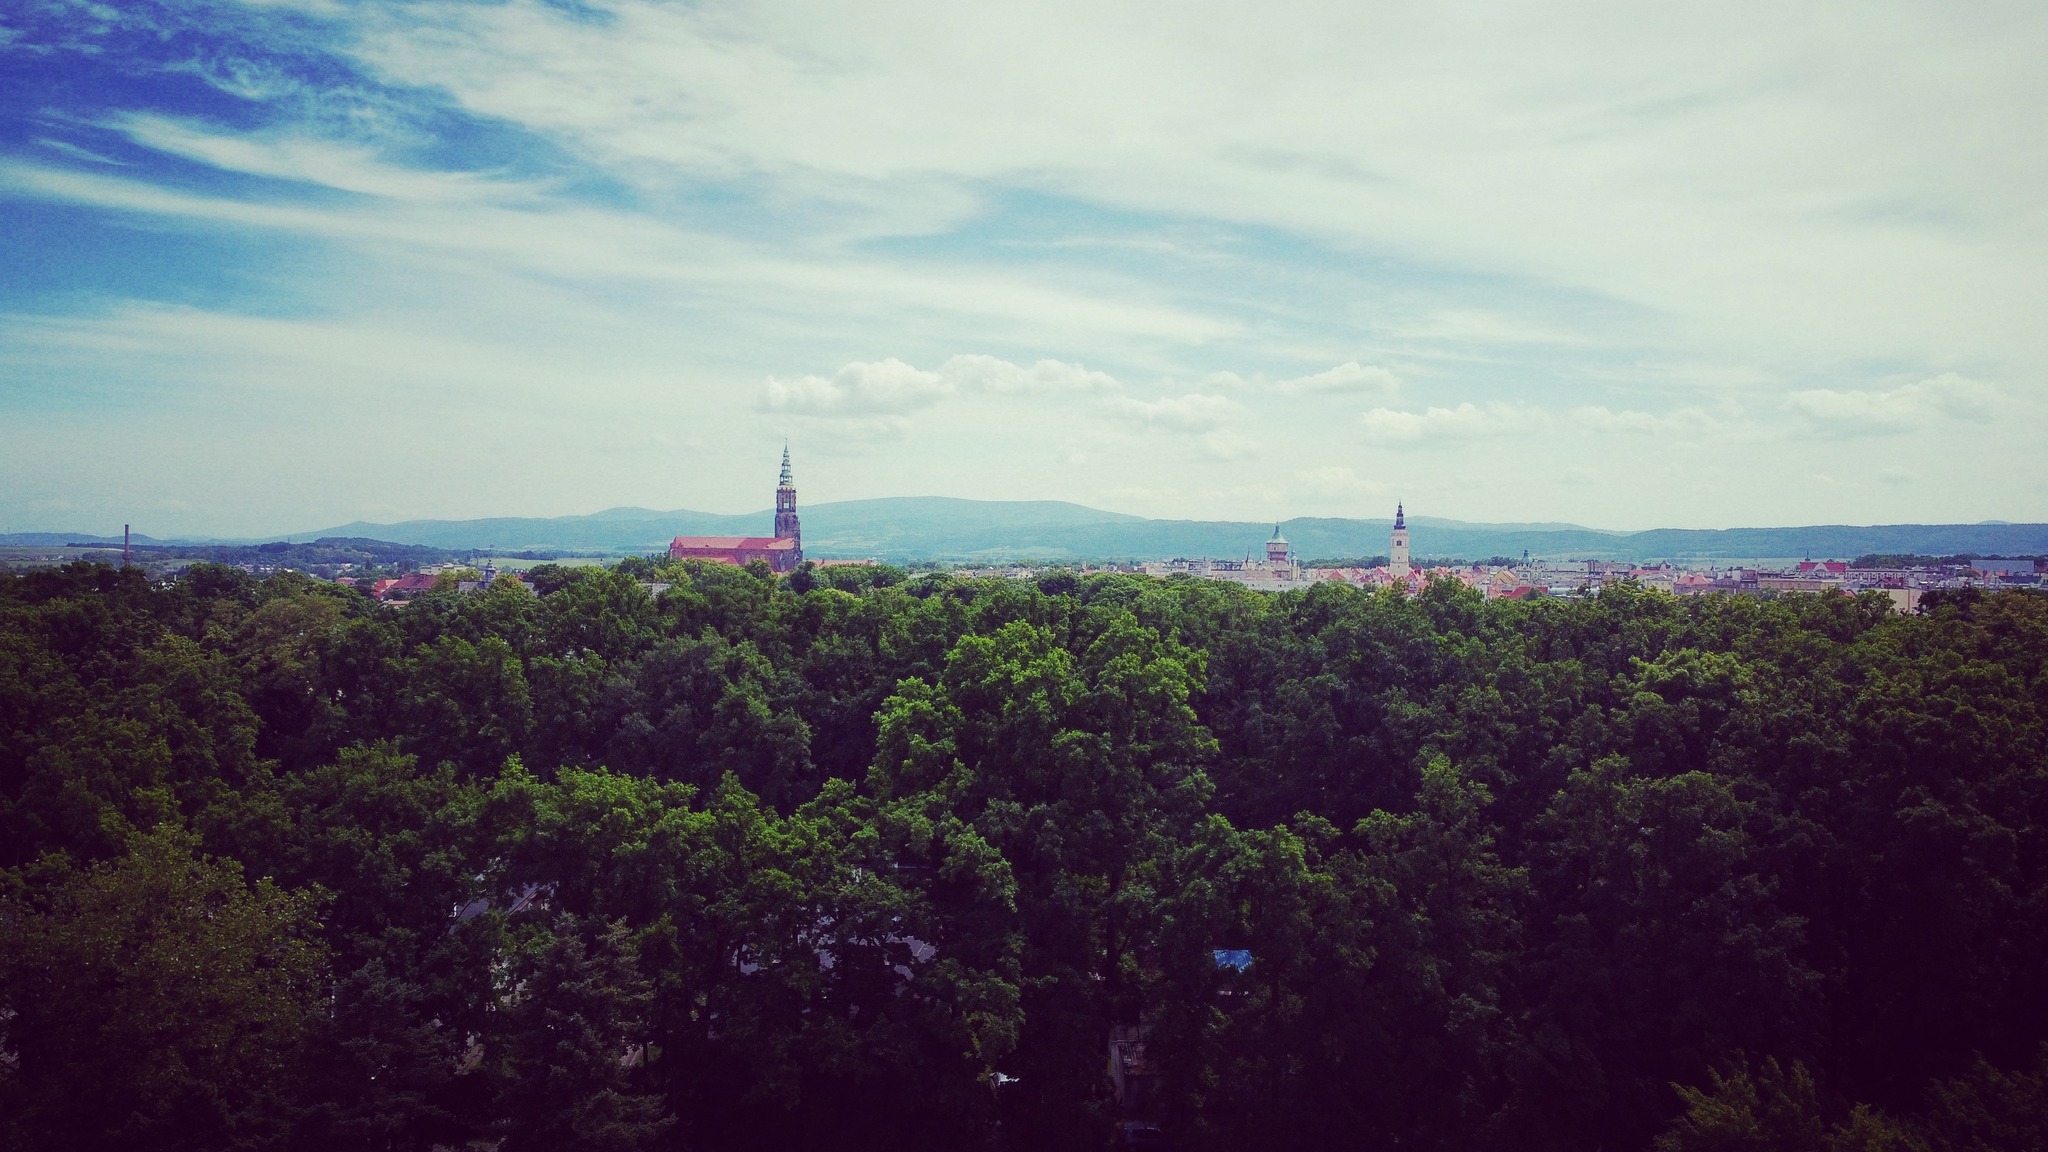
1278	550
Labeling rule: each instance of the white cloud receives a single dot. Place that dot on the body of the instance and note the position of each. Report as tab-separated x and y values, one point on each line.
66	148
1227	445
1906	408
508	234
1333	482
275	357
989	374
1678	164
1345	379
1474	326
1195	412
312	160
1465	422
893	388
1603	421
880	388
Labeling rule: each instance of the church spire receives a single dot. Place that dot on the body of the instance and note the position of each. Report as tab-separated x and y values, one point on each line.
787	526
1400	521
1397	545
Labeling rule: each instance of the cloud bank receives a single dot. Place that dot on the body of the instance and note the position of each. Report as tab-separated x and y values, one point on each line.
1918	406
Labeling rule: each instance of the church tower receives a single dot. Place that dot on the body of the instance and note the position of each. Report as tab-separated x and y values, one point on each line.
1397	548
786	525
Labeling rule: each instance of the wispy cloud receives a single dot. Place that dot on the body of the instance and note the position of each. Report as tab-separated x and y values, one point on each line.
314	160
1620	229
893	387
1687	422
1906	408
1045	377
878	399
263	359
1501	420
466	217
1575	148
1472	326
1465	422
1224	444
1335	482
1194	412
66	148
886	387
1349	378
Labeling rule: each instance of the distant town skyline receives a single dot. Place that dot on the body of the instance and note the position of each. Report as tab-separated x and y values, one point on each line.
281	265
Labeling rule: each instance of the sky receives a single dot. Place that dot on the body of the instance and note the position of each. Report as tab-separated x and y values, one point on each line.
272	266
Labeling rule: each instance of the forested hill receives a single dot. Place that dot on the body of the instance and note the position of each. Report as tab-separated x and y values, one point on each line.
847	861
934	528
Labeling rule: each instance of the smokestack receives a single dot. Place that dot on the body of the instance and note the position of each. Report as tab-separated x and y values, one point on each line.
124	545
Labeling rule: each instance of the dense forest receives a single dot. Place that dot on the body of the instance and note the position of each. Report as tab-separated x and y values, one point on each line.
850	859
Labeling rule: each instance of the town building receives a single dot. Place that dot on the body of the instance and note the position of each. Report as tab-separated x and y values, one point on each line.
410	584
782	552
1280	570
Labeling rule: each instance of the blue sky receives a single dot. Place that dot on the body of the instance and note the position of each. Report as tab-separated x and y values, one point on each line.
272	266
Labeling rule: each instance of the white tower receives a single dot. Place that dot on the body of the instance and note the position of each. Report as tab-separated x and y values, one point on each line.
1397	548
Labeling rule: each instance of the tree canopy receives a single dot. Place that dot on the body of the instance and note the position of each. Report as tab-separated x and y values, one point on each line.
856	858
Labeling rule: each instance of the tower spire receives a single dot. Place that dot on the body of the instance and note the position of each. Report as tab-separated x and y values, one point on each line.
787	526
1397	545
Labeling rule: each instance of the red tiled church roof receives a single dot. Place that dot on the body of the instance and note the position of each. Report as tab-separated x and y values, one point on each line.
731	544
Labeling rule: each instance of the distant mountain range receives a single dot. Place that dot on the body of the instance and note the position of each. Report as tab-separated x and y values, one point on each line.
944	529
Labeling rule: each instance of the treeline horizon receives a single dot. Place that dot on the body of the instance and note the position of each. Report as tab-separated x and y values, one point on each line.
868	859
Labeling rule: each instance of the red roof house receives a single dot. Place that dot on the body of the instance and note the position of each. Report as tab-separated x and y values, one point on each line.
410	584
